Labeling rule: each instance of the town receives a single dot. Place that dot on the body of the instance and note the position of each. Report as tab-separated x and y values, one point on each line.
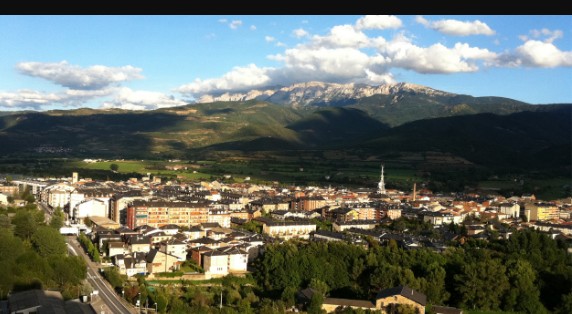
199	231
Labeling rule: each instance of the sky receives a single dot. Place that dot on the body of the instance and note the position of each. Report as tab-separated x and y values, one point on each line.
149	62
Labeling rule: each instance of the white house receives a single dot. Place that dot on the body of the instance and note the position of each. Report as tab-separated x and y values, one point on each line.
131	264
215	262
237	259
288	229
3	199
511	209
90	208
174	247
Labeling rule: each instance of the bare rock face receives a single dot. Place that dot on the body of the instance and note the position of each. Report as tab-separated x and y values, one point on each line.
319	93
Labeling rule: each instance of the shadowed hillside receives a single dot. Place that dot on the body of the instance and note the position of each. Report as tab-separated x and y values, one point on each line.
532	140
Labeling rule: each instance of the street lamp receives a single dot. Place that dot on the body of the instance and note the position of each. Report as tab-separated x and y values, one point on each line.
139	299
156	311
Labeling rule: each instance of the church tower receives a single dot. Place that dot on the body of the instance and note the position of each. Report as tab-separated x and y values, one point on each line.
381	184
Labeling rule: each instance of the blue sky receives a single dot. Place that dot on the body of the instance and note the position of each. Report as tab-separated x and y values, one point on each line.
148	62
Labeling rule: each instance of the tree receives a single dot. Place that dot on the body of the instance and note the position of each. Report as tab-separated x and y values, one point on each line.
24	224
475	284
114	167
48	241
68	270
315	306
57	220
524	295
319	286
5	222
113	276
565	306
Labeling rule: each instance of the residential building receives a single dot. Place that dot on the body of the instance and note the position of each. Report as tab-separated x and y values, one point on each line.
215	262
175	248
3	199
359	224
160	213
386	301
287	229
90	208
159	262
131	264
541	211
222	217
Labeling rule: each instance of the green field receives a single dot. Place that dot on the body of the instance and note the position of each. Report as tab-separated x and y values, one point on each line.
287	172
301	168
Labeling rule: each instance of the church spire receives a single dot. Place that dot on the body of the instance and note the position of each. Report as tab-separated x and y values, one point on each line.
381	184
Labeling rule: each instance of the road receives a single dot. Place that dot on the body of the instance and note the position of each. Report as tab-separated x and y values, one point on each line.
113	302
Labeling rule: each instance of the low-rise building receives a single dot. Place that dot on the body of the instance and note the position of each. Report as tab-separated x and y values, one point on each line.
359	224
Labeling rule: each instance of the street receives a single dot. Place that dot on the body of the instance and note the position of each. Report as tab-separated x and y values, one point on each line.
113	303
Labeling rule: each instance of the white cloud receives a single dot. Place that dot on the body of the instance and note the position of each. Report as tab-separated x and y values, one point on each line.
346	54
549	35
252	27
76	77
224	21
378	22
30	99
300	32
280	44
27	99
535	53
235	24
304	22
238	78
457	28
342	36
126	98
436	58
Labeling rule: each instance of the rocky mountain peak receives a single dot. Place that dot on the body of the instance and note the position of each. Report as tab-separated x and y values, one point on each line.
321	93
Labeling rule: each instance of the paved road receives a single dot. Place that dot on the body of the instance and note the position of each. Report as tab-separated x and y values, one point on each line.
114	303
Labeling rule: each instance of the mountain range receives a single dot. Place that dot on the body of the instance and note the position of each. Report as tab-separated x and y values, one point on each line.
370	121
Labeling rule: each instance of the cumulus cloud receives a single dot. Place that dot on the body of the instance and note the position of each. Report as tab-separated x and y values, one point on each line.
436	58
126	98
238	78
457	28
280	44
342	36
76	77
252	27
300	32
535	53
27	99
235	24
378	22
346	54
548	35
36	100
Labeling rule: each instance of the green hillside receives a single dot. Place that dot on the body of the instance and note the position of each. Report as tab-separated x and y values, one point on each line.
165	132
407	107
533	140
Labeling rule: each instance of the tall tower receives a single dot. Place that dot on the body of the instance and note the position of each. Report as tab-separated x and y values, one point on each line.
381	184
75	177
